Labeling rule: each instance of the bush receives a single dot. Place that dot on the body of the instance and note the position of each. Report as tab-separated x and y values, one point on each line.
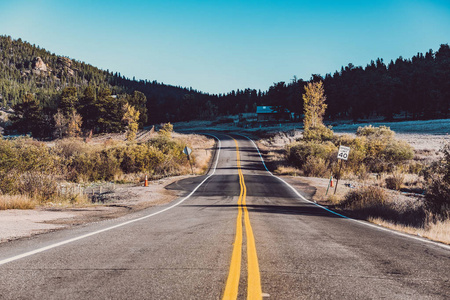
397	151
38	186
373	150
24	156
159	156
357	152
299	152
395	181
365	198
446	162
382	132
437	197
67	148
166	130
319	133
316	167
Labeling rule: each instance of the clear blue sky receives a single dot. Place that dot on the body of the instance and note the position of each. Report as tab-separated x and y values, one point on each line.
218	46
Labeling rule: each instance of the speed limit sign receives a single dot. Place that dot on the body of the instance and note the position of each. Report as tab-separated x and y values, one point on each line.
343	152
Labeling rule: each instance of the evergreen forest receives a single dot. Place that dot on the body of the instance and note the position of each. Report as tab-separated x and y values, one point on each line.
54	95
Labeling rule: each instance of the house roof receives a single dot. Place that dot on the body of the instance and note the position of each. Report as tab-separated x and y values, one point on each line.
264	110
268	110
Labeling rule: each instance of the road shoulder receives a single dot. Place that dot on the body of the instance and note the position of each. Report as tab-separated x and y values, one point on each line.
124	199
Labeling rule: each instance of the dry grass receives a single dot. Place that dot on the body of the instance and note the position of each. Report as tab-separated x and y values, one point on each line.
26	202
287	170
202	149
436	231
16	202
395	181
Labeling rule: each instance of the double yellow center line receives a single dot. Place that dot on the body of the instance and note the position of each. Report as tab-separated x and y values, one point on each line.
254	279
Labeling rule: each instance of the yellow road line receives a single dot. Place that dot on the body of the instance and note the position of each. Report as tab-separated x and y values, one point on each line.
254	279
231	288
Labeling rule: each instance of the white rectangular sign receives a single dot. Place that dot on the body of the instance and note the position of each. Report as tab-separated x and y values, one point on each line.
343	152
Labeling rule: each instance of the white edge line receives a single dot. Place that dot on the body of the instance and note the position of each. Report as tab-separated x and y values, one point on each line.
345	217
26	254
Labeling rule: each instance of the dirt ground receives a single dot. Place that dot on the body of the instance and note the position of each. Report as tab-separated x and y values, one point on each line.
124	199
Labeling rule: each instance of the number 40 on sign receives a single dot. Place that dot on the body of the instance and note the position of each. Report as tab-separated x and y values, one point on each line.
342	155
343	152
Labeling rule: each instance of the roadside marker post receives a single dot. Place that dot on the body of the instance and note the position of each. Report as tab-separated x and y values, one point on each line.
342	155
330	184
188	152
146	181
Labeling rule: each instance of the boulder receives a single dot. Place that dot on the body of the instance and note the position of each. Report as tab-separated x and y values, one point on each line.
64	61
39	65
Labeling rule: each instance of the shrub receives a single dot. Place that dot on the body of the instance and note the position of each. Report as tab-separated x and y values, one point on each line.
365	198
38	186
416	168
166	130
8	181
382	132
395	181
397	151
315	167
319	133
299	152
357	152
437	197
24	156
446	162
67	148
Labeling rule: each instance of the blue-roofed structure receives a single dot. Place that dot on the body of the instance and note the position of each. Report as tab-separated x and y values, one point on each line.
272	113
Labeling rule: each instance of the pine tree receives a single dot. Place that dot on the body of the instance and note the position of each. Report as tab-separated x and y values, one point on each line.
109	112
139	101
87	109
68	101
28	116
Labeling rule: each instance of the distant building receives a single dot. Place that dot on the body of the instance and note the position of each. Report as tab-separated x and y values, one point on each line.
272	113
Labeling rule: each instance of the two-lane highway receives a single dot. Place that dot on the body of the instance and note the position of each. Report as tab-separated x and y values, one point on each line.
242	232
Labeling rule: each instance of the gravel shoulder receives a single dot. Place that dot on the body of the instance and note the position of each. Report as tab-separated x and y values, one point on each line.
125	199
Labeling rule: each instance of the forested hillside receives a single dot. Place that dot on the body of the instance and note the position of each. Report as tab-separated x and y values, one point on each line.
416	88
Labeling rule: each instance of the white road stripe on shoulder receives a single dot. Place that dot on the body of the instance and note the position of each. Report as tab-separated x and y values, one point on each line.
26	254
345	217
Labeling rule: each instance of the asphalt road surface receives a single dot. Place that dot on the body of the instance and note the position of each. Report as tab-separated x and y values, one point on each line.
243	233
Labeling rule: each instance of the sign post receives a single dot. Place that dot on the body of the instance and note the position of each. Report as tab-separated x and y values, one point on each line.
342	155
188	152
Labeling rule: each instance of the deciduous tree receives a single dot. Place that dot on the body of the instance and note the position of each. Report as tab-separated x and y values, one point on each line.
314	109
131	118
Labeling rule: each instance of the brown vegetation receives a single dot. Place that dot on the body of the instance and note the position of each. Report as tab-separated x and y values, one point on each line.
395	186
34	173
